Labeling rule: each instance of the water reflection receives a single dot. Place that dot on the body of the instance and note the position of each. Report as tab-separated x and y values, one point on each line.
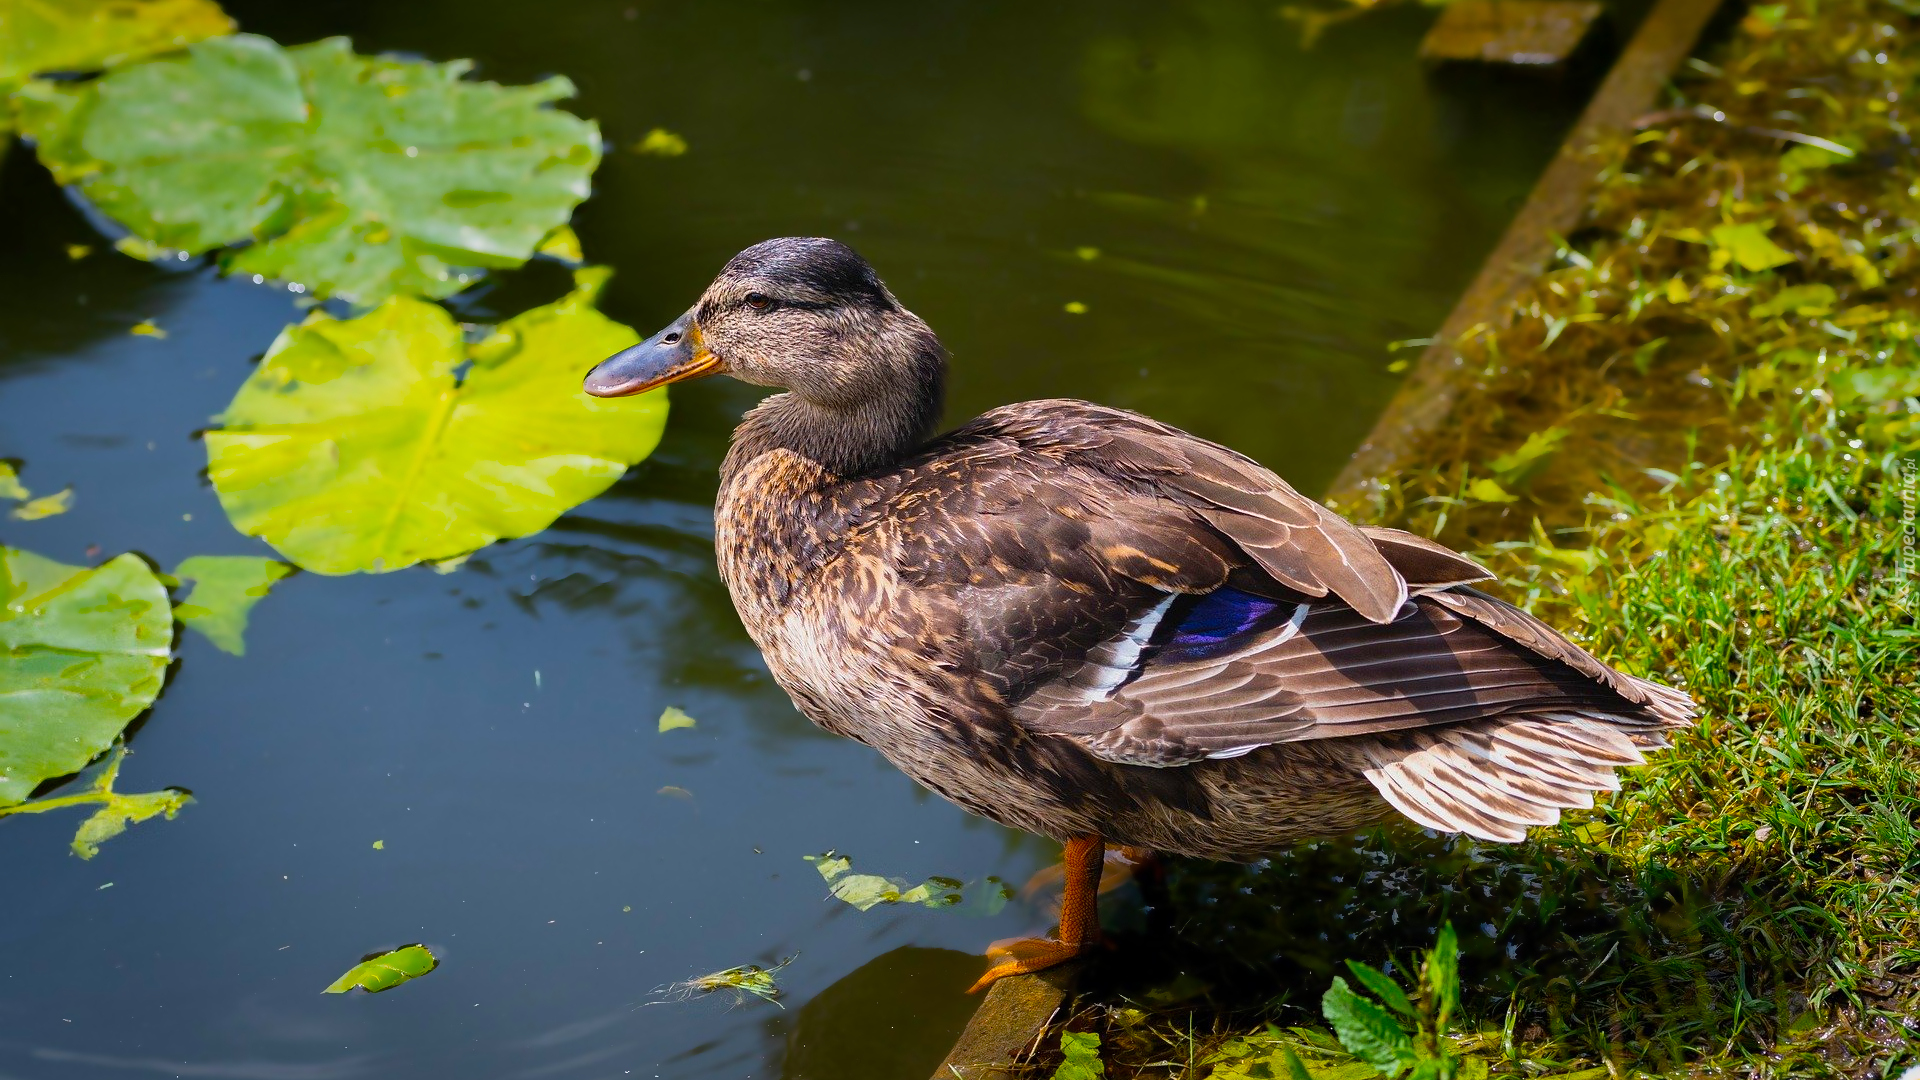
892	1018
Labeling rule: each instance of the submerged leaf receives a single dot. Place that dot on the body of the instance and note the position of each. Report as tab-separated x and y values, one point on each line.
356	445
45	506
1080	1053
356	176
661	143
225	588
38	37
1814	299
1517	466
1749	246
82	653
385	970
674	719
1490	491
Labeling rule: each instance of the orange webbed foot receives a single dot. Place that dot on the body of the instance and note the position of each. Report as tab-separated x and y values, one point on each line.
1024	956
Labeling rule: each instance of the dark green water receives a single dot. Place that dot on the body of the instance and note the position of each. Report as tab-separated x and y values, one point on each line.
1267	220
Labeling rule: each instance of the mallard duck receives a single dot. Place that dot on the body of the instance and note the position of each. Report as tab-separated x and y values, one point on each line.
1081	622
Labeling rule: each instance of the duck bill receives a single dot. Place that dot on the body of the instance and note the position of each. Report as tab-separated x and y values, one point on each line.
672	355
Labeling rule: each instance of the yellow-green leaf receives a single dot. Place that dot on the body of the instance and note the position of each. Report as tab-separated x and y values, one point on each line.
1748	245
82	652
40	36
385	970
45	506
225	588
356	445
661	143
674	719
1489	491
10	486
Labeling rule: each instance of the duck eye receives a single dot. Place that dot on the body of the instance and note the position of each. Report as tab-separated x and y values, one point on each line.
758	301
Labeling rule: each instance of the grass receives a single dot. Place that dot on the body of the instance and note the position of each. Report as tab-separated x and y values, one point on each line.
1694	450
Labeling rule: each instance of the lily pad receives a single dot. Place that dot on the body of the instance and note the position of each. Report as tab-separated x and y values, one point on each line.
225	588
353	176
82	653
40	36
385	970
359	445
116	811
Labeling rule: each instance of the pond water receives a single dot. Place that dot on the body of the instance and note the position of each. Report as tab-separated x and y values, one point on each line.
1267	219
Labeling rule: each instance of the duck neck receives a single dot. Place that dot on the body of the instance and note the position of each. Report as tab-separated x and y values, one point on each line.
889	415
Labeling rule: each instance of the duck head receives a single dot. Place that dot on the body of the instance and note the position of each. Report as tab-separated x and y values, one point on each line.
804	314
864	377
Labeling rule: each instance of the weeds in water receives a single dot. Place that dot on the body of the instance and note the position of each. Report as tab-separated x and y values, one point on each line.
741	982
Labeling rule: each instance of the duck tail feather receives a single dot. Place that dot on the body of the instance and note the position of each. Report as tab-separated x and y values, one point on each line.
1495	778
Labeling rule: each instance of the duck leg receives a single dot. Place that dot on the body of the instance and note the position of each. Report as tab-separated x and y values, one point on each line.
1079	919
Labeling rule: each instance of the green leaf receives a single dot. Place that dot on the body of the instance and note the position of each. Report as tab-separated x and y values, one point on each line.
116	811
82	652
45	506
674	719
360	177
1443	977
1081	1053
355	445
865	891
119	811
1816	299
385	970
1749	246
10	486
225	588
1489	491
1369	1032
1520	464
1383	987
40	36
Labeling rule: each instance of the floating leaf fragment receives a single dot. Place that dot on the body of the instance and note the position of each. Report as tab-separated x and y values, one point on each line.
661	143
357	445
147	328
116	811
1074	307
674	719
1086	254
354	176
73	36
225	588
76	252
379	845
1748	245
45	506
10	486
385	970
82	652
740	981
865	891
